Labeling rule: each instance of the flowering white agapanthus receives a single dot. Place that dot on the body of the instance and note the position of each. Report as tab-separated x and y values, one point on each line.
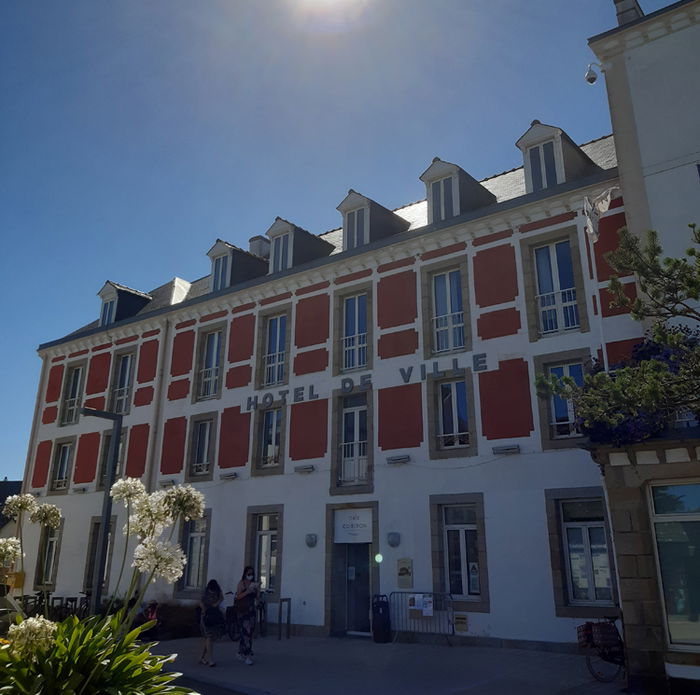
163	558
10	550
151	515
128	490
46	515
16	504
32	635
185	501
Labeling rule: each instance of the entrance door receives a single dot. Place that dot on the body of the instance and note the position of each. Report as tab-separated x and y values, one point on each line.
358	587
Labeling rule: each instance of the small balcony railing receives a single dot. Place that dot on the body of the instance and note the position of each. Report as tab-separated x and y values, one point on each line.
561	429
353	463
274	368
120	400
454	440
208	382
70	411
59	484
558	311
354	351
271	456
448	332
200	468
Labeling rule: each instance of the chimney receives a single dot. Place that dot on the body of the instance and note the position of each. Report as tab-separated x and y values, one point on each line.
259	246
627	11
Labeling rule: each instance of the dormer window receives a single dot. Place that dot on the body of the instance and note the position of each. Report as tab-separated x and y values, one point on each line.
108	311
355	229
219	273
543	168
441	192
280	253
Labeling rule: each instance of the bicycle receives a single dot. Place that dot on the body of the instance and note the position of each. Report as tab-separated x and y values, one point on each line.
605	659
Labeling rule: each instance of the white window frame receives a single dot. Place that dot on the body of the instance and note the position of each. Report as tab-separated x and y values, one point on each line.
270	452
546	183
62	463
352	217
280	252
93	539
562	304
446	328
195	542
461	438
571	422
354	345
585	527
439	204
106	441
220	272
655	518
210	374
120	397
202	429
109	307
49	552
354	461
464	558
72	394
274	362
264	570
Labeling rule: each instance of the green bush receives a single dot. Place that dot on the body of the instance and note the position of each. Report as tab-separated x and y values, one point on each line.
95	656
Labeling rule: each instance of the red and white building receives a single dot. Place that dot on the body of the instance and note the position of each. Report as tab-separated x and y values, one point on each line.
365	391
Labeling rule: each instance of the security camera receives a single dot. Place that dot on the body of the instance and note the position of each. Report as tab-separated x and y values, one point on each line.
591	76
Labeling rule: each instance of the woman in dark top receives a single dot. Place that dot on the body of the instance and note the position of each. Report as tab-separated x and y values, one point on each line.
211	620
246	593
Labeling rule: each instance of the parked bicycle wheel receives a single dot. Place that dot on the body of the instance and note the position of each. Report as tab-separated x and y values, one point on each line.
232	627
602	669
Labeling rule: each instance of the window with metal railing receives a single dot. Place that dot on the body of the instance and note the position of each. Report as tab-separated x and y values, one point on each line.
120	399
70	407
354	340
209	380
353	465
201	448
270	438
557	306
562	422
448	313
453	415
275	350
61	467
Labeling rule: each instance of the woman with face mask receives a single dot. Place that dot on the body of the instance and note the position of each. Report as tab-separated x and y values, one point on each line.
246	594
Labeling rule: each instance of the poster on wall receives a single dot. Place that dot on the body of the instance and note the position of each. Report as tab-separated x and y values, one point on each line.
474	578
404	573
427	605
461	624
353	526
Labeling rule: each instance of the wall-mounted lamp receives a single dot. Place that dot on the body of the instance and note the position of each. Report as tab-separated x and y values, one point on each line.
393	538
79	490
229	476
168	483
311	540
507	449
310	468
396	460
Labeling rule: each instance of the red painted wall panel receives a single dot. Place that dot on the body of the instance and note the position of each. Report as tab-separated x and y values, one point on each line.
308	436
506	409
42	462
136	453
311	324
495	276
496	324
49	415
98	373
239	376
240	342
96	403
396	299
234	439
400	417
311	361
148	361
53	387
173	452
143	396
86	457
621	350
178	389
606	297
398	343
183	350
608	240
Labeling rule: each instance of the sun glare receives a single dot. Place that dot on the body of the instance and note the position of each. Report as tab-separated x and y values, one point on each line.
329	15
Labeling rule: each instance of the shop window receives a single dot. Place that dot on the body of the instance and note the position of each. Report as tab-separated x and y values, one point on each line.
675	511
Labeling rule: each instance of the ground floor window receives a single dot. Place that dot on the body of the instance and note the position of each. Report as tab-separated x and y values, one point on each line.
675	511
195	544
92	554
461	550
47	560
266	551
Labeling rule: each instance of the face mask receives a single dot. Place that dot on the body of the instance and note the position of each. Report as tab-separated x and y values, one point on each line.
249	577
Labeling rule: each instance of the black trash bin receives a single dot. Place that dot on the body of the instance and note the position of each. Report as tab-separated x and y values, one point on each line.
381	620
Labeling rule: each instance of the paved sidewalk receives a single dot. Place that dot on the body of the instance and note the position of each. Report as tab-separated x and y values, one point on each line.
331	666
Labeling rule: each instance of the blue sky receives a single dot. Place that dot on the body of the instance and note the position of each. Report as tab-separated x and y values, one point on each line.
134	133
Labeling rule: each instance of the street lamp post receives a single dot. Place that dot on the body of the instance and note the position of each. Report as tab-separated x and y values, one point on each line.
98	569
